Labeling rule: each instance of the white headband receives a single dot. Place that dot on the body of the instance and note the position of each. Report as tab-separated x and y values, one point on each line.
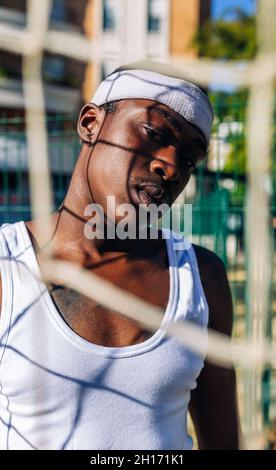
182	96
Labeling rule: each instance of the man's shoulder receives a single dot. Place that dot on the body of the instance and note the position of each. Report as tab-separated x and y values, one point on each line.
9	229
216	288
208	261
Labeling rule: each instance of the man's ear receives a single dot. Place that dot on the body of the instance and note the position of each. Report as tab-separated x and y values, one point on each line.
90	122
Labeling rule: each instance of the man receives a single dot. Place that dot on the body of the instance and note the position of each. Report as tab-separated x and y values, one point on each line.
76	375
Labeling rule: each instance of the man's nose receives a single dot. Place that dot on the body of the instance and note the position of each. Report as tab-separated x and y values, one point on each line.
166	164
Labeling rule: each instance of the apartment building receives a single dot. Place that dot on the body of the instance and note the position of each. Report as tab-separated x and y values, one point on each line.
63	77
63	83
130	30
125	30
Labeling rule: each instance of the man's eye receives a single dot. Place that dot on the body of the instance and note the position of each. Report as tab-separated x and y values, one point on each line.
188	162
157	136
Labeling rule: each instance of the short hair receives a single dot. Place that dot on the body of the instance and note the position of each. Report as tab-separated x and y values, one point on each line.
110	108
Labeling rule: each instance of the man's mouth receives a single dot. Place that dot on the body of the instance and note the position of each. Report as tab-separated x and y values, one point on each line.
150	193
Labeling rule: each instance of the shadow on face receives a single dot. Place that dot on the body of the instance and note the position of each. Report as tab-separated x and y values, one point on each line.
140	152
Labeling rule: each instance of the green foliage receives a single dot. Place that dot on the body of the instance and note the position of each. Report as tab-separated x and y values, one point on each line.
225	39
229	106
236	162
233	36
237	194
3	72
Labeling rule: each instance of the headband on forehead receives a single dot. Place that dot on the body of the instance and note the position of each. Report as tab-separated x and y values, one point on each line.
158	82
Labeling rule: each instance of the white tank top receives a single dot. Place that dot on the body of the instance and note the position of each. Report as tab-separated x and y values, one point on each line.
59	391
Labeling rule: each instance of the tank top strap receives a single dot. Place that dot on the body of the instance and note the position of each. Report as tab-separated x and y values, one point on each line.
192	305
18	274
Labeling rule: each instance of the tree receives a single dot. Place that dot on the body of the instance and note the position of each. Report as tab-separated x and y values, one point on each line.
233	36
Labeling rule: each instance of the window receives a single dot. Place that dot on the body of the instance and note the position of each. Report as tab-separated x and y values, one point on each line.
157	14
13	13
110	15
10	65
54	69
19	5
58	14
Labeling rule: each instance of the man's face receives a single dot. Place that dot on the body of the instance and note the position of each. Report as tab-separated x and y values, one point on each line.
145	153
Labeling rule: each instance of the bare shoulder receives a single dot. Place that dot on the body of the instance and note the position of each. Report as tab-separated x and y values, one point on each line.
208	261
216	288
215	394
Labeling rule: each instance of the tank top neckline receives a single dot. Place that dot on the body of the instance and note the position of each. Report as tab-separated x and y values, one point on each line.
79	341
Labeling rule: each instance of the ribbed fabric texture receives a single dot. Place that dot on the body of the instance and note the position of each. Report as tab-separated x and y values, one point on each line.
185	98
59	391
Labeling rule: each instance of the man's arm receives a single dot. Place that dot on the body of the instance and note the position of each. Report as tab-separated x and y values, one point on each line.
213	405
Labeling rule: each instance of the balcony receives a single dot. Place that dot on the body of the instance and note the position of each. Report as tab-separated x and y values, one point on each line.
18	19
57	98
12	17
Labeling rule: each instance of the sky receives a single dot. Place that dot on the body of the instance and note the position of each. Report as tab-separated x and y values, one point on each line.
218	6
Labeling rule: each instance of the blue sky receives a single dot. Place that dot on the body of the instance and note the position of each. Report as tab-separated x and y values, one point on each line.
218	6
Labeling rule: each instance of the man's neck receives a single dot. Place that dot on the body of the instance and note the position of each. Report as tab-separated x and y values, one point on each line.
68	241
68	237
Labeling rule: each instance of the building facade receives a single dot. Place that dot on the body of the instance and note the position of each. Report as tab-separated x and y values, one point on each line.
157	29
63	77
125	31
